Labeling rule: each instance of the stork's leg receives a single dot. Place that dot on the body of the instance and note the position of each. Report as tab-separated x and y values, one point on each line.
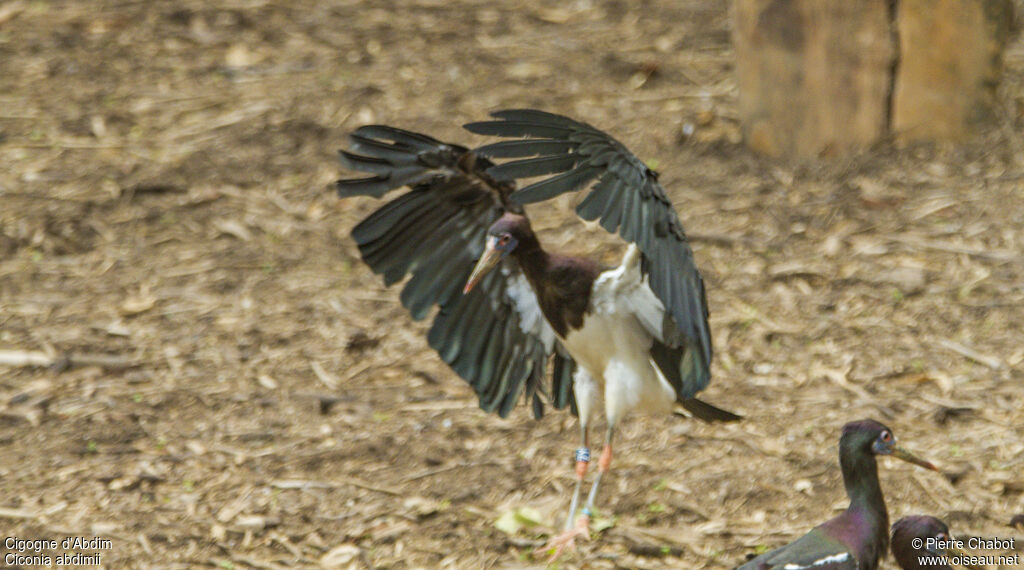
603	465
582	462
567	540
585	389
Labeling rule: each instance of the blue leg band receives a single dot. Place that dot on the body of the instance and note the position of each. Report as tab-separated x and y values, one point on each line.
583	455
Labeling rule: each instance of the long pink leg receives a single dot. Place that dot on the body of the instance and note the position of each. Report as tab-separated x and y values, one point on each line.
582	462
567	540
603	465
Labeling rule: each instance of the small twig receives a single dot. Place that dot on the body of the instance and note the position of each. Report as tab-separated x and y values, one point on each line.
438	470
144	543
717	239
301	484
227	120
6	513
994	254
371	487
330	381
431	472
990	361
519	542
24	358
927	488
250	561
654	550
107	361
11	10
61	362
642	536
839	378
435	406
690	93
66	145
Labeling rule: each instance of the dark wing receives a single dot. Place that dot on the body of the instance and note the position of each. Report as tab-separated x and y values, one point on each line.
493	337
813	551
626	199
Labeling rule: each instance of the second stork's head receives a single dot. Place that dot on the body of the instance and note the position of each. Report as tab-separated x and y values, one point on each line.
917	536
869	436
502	238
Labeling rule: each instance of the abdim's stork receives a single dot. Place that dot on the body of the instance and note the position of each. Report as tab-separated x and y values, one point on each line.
636	335
857	538
921	542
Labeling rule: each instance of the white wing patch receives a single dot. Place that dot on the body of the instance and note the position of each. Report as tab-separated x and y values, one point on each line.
625	290
531	319
841	557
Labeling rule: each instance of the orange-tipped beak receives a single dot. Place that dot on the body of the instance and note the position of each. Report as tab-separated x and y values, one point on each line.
490	258
905	455
963	555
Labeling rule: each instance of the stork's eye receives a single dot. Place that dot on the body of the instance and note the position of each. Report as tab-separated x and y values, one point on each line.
886	437
503	240
942	536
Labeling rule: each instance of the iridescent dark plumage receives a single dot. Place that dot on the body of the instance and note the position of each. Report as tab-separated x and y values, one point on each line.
905	530
562	284
458	196
638	332
857	538
435	232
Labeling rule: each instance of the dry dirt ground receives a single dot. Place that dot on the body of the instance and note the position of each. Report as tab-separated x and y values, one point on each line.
230	387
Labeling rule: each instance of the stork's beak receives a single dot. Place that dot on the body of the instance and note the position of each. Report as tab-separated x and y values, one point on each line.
905	455
490	258
955	551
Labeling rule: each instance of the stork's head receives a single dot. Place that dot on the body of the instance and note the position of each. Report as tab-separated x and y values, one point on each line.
502	238
875	438
919	535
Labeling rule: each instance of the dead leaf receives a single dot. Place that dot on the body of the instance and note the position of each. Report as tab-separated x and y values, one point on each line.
341	556
233	228
139	302
510	522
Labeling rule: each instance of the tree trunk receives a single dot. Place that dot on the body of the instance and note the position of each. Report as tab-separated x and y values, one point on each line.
822	77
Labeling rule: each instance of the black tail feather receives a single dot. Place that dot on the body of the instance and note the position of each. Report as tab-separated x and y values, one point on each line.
706	412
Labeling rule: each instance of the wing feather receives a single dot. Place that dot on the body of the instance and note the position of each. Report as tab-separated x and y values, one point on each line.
494	337
525	147
530	167
564	182
626	199
596	202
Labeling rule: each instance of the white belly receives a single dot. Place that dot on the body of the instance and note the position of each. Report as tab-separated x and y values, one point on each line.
615	350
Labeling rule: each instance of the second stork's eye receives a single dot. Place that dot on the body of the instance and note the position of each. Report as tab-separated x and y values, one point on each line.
886	437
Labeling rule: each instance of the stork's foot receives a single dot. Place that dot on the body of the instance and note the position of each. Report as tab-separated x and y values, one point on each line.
566	542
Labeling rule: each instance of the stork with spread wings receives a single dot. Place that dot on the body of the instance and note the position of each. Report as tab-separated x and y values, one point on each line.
635	335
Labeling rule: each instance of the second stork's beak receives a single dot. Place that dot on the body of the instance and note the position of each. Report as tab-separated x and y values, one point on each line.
490	258
963	555
905	455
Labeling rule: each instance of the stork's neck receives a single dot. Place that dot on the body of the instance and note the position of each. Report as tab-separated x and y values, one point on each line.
534	261
562	284
867	506
860	476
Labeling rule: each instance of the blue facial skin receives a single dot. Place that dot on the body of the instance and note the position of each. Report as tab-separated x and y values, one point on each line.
505	244
884	444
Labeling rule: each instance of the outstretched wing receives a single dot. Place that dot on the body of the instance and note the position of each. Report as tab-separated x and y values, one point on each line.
626	199
494	337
